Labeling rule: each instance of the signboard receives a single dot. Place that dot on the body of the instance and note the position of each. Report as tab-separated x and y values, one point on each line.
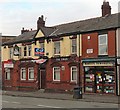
39	51
7	65
89	51
39	61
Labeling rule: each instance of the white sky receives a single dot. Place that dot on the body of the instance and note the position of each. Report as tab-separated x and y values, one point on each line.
15	14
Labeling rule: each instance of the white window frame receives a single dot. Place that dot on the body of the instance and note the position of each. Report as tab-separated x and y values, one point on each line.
7	74
72	73
55	53
57	73
102	44
29	73
22	74
73	52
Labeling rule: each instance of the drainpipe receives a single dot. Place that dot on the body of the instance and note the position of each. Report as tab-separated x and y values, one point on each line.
79	77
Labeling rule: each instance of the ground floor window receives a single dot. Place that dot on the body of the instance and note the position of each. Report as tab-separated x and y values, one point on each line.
73	74
23	73
31	73
100	79
7	74
56	73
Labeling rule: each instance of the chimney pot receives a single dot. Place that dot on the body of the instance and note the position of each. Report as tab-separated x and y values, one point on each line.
40	22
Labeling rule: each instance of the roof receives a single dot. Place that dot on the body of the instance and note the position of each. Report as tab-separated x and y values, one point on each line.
26	36
82	26
93	24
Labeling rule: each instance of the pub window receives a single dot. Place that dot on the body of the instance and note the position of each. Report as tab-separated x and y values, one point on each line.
25	51
73	74
56	73
7	74
74	46
23	74
57	47
29	50
31	73
103	44
11	53
42	45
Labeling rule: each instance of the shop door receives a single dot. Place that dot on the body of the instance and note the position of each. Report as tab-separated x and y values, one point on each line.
99	82
42	78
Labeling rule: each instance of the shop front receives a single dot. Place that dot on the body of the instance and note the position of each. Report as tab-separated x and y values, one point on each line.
99	76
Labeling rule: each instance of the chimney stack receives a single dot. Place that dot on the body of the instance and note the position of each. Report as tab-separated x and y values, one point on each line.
40	22
22	31
106	8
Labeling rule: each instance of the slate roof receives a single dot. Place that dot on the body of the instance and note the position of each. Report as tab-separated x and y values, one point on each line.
88	25
26	36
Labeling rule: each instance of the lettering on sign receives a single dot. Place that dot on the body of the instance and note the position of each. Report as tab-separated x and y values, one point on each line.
89	51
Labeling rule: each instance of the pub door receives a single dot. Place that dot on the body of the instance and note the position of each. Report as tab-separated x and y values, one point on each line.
42	81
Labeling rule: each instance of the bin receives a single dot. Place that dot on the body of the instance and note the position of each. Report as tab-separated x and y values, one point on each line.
77	93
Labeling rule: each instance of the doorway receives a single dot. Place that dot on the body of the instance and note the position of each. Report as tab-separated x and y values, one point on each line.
42	79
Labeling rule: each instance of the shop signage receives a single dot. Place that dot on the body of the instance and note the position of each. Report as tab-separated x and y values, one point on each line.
39	51
39	61
99	64
89	51
16	51
8	65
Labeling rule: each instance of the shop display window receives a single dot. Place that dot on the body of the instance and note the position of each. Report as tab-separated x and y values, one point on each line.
109	89
89	88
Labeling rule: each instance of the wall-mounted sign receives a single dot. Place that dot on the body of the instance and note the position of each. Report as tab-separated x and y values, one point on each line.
39	61
8	64
16	50
88	51
39	51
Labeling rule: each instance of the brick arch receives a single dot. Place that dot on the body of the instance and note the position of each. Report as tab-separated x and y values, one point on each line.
73	64
56	64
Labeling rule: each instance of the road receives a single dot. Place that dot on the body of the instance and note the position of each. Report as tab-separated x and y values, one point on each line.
29	102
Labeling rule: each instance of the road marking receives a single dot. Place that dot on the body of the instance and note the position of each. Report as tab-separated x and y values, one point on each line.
16	102
48	106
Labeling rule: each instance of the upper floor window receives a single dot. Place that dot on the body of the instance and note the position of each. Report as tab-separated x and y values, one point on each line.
73	74
25	51
11	52
57	47
74	46
56	73
31	73
103	44
29	50
42	45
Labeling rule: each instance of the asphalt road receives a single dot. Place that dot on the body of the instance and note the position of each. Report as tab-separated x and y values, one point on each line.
29	102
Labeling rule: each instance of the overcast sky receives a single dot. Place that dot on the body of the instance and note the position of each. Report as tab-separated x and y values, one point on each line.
15	14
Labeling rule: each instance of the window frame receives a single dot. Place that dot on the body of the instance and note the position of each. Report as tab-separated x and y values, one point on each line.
103	44
11	52
54	74
21	74
25	51
71	76
29	73
74	46
6	74
55	53
29	50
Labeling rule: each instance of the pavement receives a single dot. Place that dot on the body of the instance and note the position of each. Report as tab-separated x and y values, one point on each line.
101	98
